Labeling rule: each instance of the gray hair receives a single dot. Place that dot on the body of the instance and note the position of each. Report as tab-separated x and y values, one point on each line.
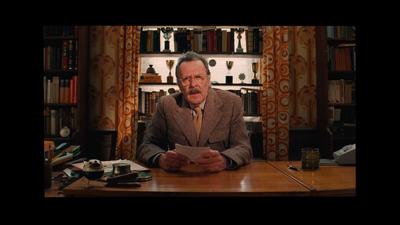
191	56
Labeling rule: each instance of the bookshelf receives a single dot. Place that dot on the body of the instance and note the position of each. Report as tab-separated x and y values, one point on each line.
217	43
336	51
65	69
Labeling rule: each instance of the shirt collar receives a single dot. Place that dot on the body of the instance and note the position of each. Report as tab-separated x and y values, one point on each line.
201	105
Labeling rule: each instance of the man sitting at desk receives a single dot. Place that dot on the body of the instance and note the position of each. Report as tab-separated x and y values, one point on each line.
197	116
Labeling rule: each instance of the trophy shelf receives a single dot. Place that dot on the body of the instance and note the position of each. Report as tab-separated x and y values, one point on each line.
205	54
220	84
223	86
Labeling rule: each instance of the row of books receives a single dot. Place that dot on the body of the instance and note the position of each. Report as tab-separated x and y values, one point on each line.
341	91
61	55
58	90
148	100
251	101
337	115
342	58
342	122
55	119
341	31
202	40
60	31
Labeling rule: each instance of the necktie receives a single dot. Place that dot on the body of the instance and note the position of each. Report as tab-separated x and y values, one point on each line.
197	121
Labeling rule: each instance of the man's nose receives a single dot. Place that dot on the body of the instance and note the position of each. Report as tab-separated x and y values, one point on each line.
193	83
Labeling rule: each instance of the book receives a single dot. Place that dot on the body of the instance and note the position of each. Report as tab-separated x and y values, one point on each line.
341	31
58	90
148	100
342	57
61	56
327	162
65	55
341	91
60	31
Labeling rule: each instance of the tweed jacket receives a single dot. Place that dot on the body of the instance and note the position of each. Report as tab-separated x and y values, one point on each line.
223	127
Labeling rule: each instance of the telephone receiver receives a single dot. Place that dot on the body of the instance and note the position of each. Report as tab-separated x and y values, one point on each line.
346	155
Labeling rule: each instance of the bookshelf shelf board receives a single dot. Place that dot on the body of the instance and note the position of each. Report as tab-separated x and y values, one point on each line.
348	138
57	138
61	104
60	72
239	84
61	38
157	83
335	41
205	54
252	115
350	72
205	27
220	84
341	74
342	104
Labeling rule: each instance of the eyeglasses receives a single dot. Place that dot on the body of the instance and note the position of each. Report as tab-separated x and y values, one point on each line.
186	80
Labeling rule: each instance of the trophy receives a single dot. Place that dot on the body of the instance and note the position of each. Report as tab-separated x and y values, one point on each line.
229	65
239	48
254	67
170	64
167	35
229	78
242	76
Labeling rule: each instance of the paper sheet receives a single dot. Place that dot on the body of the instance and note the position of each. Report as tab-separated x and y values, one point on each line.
108	165
192	153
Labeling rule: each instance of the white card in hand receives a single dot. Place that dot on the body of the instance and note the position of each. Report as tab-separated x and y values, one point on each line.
192	153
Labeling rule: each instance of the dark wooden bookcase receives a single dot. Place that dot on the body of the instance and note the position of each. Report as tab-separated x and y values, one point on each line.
341	132
81	35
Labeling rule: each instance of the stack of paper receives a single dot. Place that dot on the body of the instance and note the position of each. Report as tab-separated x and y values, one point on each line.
192	153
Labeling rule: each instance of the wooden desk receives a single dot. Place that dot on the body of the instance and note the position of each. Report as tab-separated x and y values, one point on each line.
255	179
53	190
325	181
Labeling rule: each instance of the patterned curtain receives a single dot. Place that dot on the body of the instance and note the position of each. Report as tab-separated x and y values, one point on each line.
275	80
103	79
303	76
113	84
129	45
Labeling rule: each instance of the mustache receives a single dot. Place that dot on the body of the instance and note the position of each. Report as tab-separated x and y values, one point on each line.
194	91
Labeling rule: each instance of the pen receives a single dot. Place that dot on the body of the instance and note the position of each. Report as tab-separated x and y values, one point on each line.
292	167
50	154
61	153
55	178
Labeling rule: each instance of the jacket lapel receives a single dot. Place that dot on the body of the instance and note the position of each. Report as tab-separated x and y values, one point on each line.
211	116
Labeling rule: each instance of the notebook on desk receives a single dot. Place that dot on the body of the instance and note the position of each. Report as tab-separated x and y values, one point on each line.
327	162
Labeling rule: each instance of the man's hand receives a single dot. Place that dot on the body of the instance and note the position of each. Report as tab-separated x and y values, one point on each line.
172	161
212	161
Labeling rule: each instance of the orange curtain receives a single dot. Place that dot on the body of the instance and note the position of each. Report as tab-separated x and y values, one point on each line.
275	97
303	76
103	74
129	45
113	84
